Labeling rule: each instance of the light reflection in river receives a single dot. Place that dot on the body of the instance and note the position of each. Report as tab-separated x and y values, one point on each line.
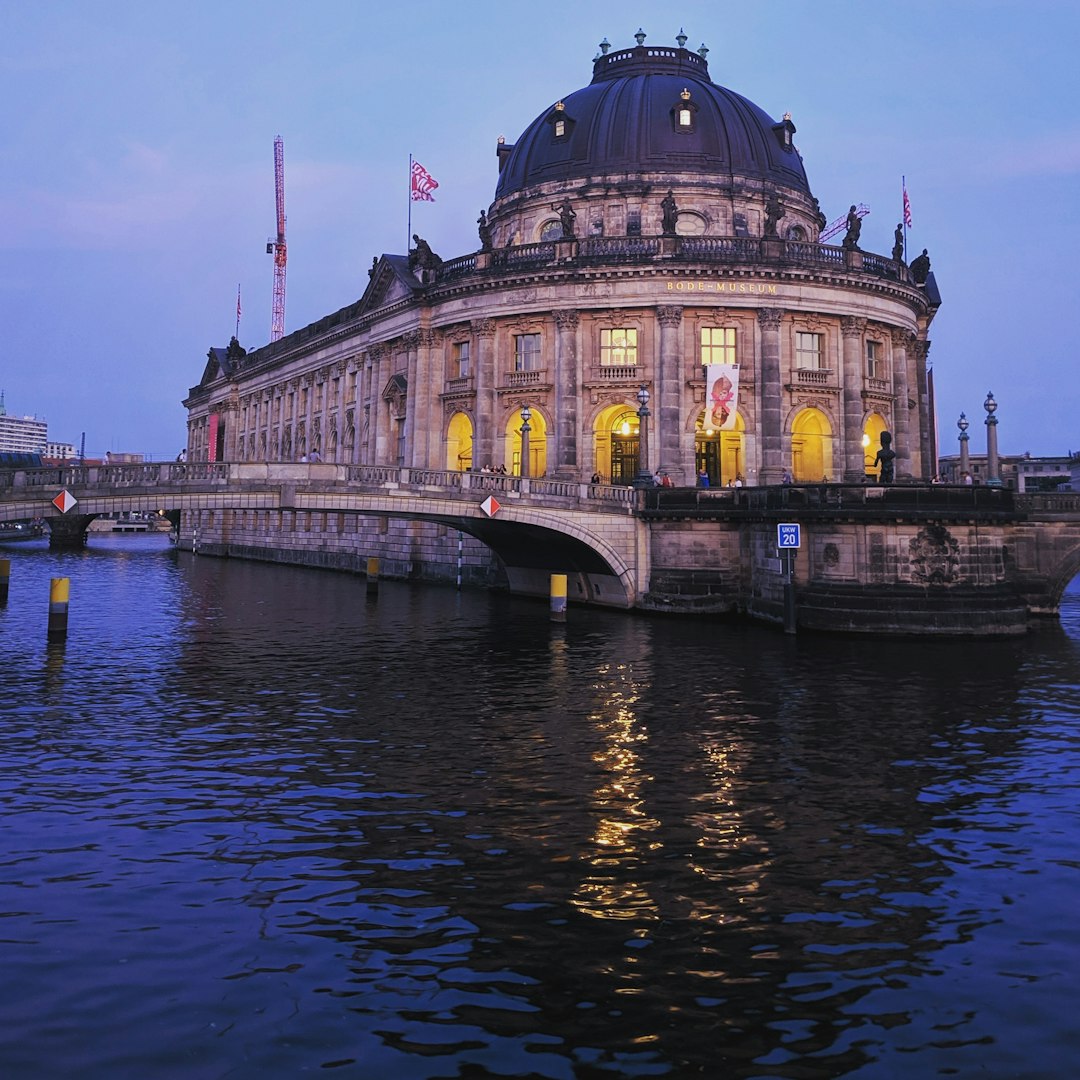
255	825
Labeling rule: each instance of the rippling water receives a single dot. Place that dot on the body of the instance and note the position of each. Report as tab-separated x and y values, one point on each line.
257	825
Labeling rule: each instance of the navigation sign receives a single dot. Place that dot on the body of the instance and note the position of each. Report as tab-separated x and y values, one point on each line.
490	506
788	536
64	501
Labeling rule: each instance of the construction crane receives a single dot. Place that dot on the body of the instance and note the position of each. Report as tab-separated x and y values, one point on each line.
277	247
840	223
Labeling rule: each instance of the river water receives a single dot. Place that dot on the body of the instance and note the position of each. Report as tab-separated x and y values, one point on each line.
254	824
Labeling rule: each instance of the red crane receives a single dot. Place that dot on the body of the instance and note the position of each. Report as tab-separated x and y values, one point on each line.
277	247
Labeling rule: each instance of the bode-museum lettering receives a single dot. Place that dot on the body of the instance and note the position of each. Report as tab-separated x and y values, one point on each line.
758	287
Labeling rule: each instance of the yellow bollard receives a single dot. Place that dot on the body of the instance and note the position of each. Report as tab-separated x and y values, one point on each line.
5	579
372	576
59	591
558	598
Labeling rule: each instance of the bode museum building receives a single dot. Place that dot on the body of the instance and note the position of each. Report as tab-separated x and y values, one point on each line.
653	256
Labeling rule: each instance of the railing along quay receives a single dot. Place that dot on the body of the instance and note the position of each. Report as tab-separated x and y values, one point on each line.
808	501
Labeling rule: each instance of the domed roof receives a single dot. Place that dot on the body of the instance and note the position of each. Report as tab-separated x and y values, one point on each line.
628	119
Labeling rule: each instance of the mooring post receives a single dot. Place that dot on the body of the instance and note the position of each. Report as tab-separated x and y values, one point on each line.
558	598
59	592
789	592
372	577
5	579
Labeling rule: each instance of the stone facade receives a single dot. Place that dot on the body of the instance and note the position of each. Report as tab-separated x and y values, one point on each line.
585	297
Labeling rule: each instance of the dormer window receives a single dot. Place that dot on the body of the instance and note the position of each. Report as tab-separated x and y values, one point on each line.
684	113
784	132
561	124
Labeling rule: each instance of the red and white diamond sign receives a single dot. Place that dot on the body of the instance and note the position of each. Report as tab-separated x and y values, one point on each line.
490	506
64	501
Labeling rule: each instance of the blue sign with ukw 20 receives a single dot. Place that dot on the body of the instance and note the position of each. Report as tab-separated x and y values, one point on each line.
788	536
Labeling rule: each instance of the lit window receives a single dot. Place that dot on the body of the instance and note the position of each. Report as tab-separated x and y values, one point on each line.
460	360
875	366
618	347
717	345
526	352
684	117
808	351
560	128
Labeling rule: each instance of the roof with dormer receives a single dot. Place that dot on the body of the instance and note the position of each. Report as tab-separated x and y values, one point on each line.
627	120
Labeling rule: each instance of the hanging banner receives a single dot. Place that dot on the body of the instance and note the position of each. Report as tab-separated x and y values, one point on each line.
721	396
211	437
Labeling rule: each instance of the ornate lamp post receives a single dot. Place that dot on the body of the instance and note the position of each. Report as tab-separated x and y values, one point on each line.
965	460
526	416
644	476
992	471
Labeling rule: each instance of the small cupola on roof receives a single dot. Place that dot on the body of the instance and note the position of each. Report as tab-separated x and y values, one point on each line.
652	108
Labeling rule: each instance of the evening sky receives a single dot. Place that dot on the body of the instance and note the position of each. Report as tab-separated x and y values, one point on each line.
137	183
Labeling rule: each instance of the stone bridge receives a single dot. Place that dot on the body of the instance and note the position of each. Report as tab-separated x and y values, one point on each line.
935	559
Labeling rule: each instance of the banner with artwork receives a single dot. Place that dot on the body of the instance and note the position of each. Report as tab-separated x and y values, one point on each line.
721	396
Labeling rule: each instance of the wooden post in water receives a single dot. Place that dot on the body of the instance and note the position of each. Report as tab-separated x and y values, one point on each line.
5	579
372	577
558	598
59	591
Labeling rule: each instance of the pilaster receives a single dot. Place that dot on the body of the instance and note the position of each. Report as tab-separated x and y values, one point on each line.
567	383
671	455
851	332
769	403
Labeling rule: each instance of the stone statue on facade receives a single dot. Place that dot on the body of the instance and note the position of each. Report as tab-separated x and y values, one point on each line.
854	227
374	266
898	243
886	458
422	258
774	211
567	217
920	267
670	214
485	231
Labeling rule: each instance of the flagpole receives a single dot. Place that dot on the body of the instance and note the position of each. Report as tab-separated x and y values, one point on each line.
237	312
903	210
408	188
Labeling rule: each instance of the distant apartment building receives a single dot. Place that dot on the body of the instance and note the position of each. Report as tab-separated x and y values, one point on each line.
1021	472
23	434
60	451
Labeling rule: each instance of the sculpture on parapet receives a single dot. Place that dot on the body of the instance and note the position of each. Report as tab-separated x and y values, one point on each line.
920	267
485	231
425	260
670	214
886	458
567	217
774	211
854	227
898	243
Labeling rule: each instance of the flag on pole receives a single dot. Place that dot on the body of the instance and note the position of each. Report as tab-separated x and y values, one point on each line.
422	184
907	205
238	305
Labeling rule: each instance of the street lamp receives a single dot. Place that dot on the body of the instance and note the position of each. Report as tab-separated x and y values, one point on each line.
526	416
965	460
990	405
644	476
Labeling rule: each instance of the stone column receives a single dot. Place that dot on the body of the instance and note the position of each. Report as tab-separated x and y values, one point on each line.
851	331
425	401
922	350
567	383
901	340
486	380
771	470
381	407
411	341
667	409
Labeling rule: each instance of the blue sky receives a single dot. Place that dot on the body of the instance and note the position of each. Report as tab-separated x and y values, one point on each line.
137	184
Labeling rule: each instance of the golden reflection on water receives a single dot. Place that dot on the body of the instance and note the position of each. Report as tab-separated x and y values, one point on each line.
623	830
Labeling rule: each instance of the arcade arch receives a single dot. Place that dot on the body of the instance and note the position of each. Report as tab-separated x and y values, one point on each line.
617	444
721	452
459	442
811	447
512	441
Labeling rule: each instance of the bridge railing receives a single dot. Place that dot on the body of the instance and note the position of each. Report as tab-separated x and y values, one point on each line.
796	499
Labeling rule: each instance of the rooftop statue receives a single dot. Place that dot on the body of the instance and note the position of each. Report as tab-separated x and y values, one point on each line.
567	217
898	243
485	231
920	267
774	211
854	227
422	258
670	214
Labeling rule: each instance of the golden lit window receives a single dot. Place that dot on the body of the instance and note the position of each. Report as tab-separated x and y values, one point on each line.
618	347
717	345
808	351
